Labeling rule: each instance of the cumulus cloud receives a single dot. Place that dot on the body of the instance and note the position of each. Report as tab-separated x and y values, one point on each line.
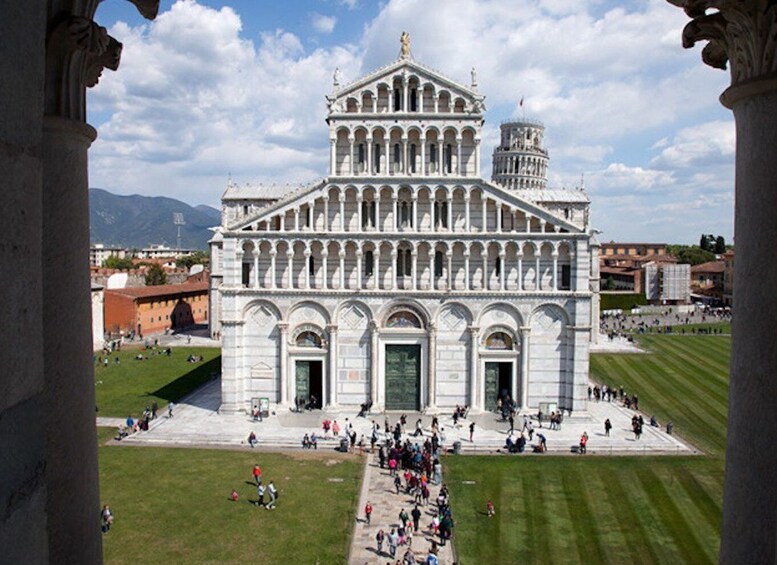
198	96
323	24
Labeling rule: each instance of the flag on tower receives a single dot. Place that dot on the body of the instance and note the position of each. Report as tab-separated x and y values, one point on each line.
521	102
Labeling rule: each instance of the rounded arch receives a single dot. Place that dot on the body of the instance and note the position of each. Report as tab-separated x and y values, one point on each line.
453	317
353	314
265	306
500	338
404	304
547	315
501	314
308	312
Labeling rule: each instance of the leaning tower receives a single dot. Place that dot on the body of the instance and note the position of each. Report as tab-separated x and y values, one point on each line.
521	161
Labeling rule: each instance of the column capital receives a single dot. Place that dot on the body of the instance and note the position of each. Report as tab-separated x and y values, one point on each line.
331	328
283	327
474	330
431	327
740	34
525	329
374	328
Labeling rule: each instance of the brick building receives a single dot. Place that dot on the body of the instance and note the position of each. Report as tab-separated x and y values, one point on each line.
153	309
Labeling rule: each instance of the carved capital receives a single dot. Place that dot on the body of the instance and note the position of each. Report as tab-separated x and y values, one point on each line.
740	33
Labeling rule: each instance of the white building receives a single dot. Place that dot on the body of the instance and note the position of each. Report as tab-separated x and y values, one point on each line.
98	253
667	283
403	277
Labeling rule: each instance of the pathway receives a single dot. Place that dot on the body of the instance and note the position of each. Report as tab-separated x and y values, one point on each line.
378	489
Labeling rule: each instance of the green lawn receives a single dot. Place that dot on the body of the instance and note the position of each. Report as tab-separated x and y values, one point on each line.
172	506
131	385
611	509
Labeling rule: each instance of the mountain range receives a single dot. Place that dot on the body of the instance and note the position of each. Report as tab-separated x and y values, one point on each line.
139	221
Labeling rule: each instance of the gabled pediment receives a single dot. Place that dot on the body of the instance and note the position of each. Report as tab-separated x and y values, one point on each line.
407	68
309	194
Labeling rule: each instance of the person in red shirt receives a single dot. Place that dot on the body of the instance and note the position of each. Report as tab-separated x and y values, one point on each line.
257	472
490	508
583	442
368	512
234	495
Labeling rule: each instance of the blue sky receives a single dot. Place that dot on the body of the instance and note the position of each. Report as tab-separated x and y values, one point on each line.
218	87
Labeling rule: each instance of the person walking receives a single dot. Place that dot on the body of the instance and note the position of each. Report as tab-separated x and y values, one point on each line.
471	431
392	543
367	512
154	408
583	443
107	518
416	513
257	474
490	510
273	492
379	537
260	495
170	410
607	427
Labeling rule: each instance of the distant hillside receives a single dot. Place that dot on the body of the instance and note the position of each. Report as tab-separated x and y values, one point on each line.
139	221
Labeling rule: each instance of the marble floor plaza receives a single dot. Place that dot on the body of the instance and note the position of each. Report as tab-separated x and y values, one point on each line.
197	422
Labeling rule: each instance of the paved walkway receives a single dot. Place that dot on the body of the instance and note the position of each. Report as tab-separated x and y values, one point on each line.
378	488
197	422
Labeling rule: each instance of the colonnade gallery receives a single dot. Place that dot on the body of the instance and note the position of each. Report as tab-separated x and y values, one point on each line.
403	278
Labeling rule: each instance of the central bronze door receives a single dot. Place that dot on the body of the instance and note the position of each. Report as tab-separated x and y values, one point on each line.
403	377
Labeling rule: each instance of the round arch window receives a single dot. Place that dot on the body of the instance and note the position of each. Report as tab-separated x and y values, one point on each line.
308	339
499	341
403	319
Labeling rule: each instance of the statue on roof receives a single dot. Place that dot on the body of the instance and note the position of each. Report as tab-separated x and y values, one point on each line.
405	41
336	77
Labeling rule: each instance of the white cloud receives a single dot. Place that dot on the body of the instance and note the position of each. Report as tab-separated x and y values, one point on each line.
195	98
322	23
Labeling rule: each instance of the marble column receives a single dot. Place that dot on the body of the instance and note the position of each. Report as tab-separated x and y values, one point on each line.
307	255
255	254
359	212
449	269
351	168
359	269
332	397
342	269
290	276
414	205
459	164
520	268
342	212
369	156
741	35
414	273
273	254
466	269
525	331
374	372
474	339
477	158
283	331
502	270
324	268
555	270
333	156
467	200
432	384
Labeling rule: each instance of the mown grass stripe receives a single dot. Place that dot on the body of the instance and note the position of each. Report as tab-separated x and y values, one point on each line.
683	535
588	536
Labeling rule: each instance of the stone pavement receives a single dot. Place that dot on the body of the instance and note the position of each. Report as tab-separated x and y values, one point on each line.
378	488
197	422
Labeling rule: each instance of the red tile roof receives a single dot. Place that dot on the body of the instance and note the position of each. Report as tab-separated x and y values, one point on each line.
160	290
709	267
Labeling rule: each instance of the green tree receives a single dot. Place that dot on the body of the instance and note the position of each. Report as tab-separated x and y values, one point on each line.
116	262
196	258
720	245
691	254
609	284
155	275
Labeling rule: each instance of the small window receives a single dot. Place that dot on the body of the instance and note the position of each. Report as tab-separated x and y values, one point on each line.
312	266
397	100
566	213
498	266
438	264
432	153
449	158
246	274
413	100
245	209
377	157
308	339
369	263
412	157
403	319
566	277
362	156
397	153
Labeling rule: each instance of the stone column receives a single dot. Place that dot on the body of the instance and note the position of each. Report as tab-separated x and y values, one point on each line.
525	331
467	200
273	254
520	267
378	226
296	219
342	269
414	273
324	268
440	154
486	275
537	274
333	156
283	331
351	168
423	154
459	164
414	205
528	223
342	211
404	168
290	259
395	218
332	399
498	217
359	269
387	158
449	219
255	254
374	373
449	268
474	338
555	270
502	269
742	35
477	158
376	255
466	268
393	269
359	218
432	399
484	220
307	254
326	213
369	155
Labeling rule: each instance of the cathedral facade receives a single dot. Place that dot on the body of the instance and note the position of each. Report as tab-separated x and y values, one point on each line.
403	278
